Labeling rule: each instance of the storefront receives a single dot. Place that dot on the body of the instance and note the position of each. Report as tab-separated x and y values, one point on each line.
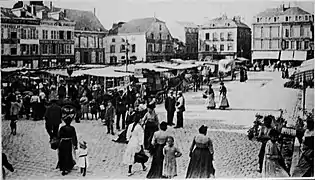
265	57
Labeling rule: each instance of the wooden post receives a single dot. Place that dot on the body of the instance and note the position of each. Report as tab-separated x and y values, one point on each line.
304	92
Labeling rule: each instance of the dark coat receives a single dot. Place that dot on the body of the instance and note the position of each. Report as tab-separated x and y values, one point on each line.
170	104
53	115
121	104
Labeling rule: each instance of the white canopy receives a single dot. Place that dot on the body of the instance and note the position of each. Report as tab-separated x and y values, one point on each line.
105	72
63	72
306	66
11	69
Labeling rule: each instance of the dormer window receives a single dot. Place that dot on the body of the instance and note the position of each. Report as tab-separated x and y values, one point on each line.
275	19
152	36
257	19
23	14
306	18
113	40
286	18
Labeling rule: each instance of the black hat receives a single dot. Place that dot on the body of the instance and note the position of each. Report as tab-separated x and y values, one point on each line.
203	129
221	83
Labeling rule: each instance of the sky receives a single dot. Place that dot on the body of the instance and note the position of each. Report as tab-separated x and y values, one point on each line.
197	11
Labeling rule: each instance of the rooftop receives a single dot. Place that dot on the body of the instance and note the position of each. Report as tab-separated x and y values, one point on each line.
282	11
138	25
223	21
187	24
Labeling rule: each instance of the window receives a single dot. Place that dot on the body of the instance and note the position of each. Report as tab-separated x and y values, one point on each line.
230	47
34	49
160	36
44	48
214	47
100	42
292	44
215	36
286	32
222	47
91	42
45	34
22	49
291	32
52	35
286	18
207	36
2	48
222	36
113	40
122	48
302	31
257	19
207	47
13	51
61	48
286	45
152	36
306	18
101	59
69	35
122	57
160	47
160	27
296	18
275	19
61	34
298	45
133	48
300	18
112	48
150	48
168	37
76	42
68	48
306	44
13	35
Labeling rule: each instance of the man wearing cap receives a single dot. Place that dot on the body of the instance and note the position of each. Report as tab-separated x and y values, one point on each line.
170	102
53	116
180	108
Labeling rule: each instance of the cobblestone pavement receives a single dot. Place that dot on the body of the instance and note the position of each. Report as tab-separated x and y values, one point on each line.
235	155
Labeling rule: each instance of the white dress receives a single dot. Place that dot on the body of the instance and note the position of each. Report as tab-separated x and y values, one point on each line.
83	162
136	139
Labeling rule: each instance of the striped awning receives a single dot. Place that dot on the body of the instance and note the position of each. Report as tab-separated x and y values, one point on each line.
265	55
286	56
299	55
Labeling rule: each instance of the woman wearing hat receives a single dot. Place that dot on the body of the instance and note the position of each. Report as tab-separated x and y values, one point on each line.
158	142
201	156
305	166
151	122
68	140
224	103
209	94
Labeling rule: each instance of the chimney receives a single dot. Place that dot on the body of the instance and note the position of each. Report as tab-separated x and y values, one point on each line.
94	12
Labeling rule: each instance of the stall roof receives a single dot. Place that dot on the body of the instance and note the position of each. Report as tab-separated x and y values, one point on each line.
63	72
306	66
105	72
177	66
12	69
150	66
241	59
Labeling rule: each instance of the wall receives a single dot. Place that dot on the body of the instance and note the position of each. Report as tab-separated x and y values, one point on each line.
136	39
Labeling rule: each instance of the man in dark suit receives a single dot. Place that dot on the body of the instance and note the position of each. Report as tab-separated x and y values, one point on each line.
53	116
121	110
170	102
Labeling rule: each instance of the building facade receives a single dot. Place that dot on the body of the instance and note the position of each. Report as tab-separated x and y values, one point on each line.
224	38
284	33
19	38
185	35
146	40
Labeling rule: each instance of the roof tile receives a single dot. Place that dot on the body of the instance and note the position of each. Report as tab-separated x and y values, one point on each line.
137	25
279	12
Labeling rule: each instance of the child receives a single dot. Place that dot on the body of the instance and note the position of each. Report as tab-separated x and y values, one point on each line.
83	159
102	111
94	108
14	112
170	153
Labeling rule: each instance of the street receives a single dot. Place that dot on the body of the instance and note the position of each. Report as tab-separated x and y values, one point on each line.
235	156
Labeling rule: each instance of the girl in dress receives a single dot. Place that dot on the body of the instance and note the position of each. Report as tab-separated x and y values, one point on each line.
83	159
209	94
224	103
170	153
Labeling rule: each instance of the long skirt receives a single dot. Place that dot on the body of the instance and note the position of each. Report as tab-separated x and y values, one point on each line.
210	103
200	164
65	158
224	103
149	130
156	169
272	168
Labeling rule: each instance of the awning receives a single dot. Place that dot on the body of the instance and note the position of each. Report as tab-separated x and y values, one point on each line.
308	62
286	56
12	69
63	72
177	66
105	72
133	67
306	66
241	59
265	55
299	55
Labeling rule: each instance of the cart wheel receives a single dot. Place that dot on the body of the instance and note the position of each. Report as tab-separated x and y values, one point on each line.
159	99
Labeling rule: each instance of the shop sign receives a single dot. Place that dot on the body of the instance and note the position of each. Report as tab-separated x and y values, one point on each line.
20	21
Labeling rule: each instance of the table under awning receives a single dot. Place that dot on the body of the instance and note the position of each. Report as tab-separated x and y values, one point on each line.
300	55
265	55
286	56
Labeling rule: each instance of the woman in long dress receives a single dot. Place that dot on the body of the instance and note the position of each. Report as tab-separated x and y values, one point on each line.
158	142
84	101
68	140
209	94
224	103
151	122
201	156
135	138
272	166
305	166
